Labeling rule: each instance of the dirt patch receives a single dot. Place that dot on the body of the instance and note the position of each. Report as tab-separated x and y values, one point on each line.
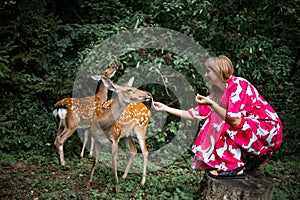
24	181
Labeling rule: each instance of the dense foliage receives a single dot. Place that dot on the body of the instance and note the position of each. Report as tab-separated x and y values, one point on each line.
44	42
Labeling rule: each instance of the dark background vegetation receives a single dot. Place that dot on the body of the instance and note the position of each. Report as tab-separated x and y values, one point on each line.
43	43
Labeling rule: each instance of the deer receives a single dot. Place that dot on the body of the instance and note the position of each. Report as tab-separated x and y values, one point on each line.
117	123
73	113
135	117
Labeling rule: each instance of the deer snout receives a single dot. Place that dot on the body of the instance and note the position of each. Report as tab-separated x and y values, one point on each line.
149	96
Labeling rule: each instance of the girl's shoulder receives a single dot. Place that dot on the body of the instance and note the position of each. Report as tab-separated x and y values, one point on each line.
236	80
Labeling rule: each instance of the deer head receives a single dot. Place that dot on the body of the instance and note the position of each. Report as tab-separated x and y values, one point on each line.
109	72
126	94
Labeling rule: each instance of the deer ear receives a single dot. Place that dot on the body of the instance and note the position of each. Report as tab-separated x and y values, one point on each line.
96	77
130	81
108	83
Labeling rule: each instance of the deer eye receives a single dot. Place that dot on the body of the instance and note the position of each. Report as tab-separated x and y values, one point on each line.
129	90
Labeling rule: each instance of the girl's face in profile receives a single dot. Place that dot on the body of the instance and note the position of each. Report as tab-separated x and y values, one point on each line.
211	76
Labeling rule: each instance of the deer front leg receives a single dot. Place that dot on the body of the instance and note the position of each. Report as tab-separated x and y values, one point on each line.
144	149
86	137
145	156
114	164
95	160
85	140
133	152
92	146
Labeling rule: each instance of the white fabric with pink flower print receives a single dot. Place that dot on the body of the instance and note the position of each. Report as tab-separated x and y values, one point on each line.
220	145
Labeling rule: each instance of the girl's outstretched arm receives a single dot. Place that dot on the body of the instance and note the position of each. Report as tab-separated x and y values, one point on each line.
174	111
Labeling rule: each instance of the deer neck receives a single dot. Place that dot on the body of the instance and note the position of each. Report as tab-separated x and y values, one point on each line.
101	94
111	114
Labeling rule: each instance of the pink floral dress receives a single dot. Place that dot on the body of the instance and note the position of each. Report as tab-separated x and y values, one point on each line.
220	145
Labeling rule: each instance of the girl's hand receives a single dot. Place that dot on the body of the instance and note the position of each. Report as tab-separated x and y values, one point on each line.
202	100
159	106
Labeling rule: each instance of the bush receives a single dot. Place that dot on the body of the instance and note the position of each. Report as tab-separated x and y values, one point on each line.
45	42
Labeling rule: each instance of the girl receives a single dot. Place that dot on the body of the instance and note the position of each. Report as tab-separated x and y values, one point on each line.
240	129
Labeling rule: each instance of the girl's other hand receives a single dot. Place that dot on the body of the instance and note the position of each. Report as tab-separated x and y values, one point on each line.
202	100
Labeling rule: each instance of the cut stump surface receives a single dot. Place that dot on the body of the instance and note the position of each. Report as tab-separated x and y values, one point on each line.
256	186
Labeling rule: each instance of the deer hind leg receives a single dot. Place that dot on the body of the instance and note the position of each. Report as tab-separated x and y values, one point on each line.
59	148
66	127
59	142
133	152
141	136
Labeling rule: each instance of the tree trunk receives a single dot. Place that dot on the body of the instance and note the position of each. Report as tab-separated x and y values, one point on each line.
255	187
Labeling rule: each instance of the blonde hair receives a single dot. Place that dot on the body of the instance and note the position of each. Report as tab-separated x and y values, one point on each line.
224	68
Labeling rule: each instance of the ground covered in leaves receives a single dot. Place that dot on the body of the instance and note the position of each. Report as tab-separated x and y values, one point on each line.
29	179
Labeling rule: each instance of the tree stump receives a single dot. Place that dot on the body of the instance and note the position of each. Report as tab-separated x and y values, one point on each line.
255	187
